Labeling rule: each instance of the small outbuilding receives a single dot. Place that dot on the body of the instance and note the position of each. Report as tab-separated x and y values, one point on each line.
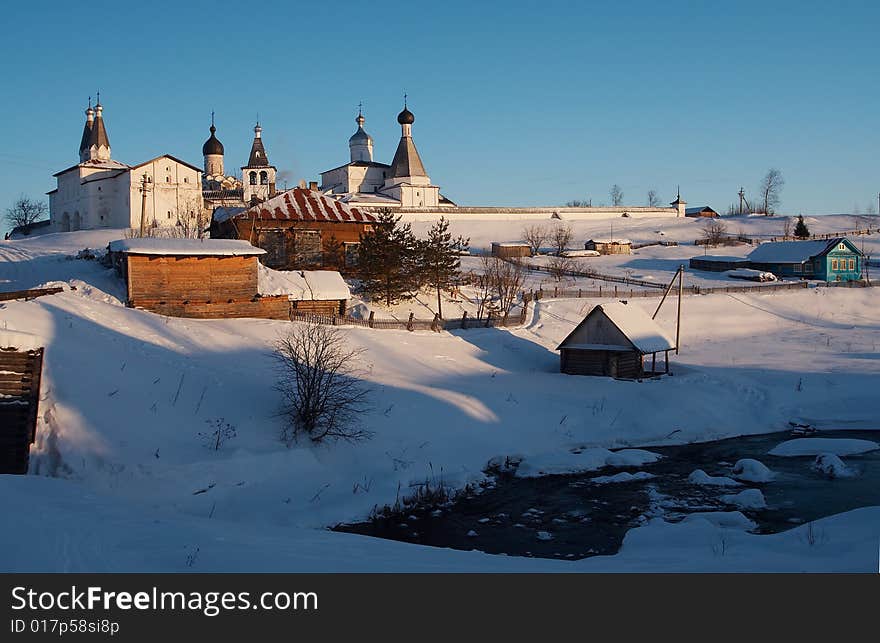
511	250
610	246
613	341
827	260
700	211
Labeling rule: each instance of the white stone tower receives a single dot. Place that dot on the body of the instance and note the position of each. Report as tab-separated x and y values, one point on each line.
212	151
258	177
361	144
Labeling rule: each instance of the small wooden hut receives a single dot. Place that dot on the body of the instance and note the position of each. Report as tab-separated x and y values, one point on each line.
508	250
21	365
613	341
700	211
610	246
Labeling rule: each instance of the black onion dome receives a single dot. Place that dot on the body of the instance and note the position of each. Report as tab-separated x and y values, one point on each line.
212	145
406	117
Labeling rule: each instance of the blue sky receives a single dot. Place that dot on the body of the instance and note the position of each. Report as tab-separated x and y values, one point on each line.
516	103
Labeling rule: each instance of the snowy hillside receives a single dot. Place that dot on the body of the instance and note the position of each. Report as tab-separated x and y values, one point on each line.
126	394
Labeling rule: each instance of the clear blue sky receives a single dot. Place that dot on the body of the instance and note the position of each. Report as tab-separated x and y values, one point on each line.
516	103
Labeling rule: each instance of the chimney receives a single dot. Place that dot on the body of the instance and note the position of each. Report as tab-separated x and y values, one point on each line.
313	186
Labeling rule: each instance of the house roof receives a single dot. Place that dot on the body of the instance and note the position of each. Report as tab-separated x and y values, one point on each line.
97	164
795	251
356	164
697	210
185	247
168	156
301	204
645	334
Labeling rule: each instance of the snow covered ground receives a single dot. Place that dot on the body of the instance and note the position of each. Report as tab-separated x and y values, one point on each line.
123	481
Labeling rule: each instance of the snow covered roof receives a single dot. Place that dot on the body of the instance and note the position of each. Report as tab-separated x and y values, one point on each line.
722	258
185	247
510	244
222	214
303	285
792	251
644	333
697	210
21	341
96	164
611	241
301	204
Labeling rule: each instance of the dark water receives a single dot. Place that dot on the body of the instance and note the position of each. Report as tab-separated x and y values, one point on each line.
582	518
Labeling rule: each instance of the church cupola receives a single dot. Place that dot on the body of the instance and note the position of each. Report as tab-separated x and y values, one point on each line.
99	143
87	133
407	163
258	177
361	144
212	151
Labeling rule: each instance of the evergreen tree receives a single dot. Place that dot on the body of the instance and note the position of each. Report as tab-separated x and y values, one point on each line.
800	229
333	254
388	259
439	262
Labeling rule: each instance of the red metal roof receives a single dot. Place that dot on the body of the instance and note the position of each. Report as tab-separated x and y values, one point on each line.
301	204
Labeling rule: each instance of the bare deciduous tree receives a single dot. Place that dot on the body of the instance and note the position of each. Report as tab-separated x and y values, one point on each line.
786	227
24	213
579	203
505	280
559	267
560	238
653	199
616	195
715	232
323	397
535	235
771	187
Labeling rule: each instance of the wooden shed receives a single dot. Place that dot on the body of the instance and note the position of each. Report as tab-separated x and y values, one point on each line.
204	278
718	263
613	341
21	364
511	250
299	229
610	246
700	211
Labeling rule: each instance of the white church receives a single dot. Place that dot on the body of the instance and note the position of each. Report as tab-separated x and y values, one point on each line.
101	192
365	182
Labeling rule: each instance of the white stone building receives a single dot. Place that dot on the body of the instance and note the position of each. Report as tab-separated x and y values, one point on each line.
100	192
365	182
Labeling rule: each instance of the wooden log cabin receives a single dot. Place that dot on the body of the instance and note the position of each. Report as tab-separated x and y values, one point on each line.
609	246
613	340
21	364
514	250
299	229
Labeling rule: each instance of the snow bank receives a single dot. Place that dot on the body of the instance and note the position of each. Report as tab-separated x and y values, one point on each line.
751	470
587	460
623	476
581	253
751	274
724	519
19	340
831	466
185	247
701	477
748	499
817	446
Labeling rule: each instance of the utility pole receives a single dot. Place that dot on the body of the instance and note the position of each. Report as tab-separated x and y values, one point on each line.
145	180
742	195
678	314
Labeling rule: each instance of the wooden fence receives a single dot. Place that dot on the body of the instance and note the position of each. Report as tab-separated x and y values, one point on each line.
829	235
29	294
589	274
617	292
492	320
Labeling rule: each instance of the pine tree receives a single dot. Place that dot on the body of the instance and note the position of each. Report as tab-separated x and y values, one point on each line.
388	258
439	262
333	253
800	229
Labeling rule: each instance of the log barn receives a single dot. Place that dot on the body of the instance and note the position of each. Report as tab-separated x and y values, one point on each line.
613	341
514	250
700	211
299	229
718	263
610	246
201	278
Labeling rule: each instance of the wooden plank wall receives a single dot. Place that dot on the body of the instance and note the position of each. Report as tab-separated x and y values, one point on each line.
330	307
274	307
191	278
20	385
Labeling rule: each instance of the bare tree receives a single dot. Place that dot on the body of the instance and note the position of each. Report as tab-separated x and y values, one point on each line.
323	397
559	267
24	213
483	283
561	237
616	195
770	190
786	227
653	199
579	203
535	235
506	280
715	232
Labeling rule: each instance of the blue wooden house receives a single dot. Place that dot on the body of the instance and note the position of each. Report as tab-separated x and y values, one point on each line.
827	260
